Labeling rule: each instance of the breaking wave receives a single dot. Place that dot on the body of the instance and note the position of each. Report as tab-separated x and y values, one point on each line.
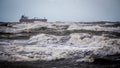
53	41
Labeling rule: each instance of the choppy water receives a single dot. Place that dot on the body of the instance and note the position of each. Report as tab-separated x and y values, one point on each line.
60	45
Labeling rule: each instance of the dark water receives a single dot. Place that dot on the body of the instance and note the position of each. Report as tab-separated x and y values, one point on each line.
100	63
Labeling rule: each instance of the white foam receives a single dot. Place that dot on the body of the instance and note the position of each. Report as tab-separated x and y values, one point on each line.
80	48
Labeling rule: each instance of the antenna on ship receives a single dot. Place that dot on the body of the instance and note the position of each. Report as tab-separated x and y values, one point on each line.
44	18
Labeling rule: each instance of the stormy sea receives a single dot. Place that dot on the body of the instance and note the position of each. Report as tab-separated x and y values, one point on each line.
60	45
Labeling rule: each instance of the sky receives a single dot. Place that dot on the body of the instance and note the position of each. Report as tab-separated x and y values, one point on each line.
61	10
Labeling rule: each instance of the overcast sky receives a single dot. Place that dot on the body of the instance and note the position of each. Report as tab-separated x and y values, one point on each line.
61	10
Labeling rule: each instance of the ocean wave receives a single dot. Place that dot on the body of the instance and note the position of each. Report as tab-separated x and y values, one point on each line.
78	46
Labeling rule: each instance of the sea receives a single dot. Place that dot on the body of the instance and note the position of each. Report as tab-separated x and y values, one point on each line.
60	45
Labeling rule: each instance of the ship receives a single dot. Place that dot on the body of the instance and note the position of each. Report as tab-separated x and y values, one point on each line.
26	19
